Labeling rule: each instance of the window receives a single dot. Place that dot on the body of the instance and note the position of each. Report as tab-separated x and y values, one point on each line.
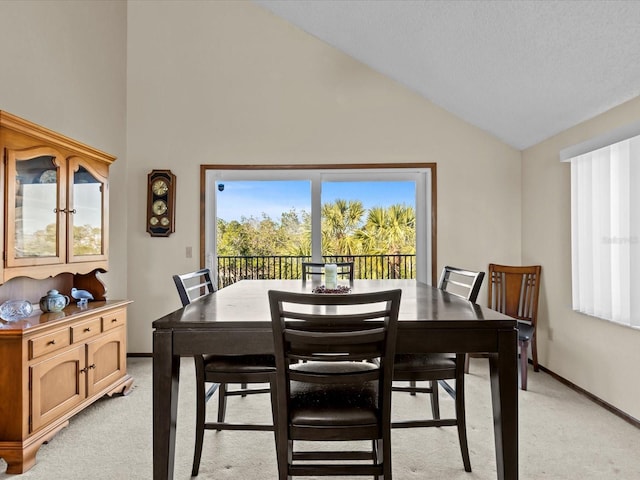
323	185
605	231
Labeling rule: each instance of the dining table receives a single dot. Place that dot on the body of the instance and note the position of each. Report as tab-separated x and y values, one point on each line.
236	320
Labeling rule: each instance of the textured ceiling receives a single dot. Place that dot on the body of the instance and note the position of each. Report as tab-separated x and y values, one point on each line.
521	70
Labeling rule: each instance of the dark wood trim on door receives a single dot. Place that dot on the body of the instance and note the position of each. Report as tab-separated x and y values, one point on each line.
345	166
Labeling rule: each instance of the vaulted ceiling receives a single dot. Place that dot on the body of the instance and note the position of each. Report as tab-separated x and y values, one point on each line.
521	70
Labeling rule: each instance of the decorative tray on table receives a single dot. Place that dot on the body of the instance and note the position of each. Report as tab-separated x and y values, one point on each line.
338	289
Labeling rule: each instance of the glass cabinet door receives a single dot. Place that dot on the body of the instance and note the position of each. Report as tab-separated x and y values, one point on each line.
87	200
34	202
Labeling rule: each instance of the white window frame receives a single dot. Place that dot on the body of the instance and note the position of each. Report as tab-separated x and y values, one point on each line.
422	174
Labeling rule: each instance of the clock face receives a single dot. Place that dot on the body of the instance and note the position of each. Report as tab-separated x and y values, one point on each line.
159	207
48	176
153	220
160	187
164	221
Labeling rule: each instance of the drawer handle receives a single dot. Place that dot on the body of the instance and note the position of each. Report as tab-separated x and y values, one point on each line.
51	342
87	329
114	320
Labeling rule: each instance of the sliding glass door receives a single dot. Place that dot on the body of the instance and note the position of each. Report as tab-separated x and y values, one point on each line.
272	219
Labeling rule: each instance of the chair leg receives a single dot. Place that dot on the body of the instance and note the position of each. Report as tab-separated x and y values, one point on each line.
461	421
222	402
201	390
534	352
376	450
284	446
412	384
386	454
435	400
523	364
382	455
466	363
274	412
285	454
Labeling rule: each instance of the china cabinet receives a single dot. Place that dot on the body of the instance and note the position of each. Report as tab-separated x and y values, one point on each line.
56	202
54	232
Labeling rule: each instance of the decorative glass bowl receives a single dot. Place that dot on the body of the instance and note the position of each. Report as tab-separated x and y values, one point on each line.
14	310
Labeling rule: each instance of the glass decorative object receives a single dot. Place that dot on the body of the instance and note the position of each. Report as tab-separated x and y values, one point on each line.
331	275
14	310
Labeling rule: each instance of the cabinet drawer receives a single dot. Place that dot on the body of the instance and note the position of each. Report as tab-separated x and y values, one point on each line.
49	342
85	330
114	319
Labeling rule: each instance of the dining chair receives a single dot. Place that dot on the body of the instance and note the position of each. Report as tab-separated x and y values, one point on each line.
436	368
326	392
316	269
221	370
514	291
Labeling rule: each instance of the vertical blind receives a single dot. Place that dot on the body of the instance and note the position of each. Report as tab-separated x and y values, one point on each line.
605	232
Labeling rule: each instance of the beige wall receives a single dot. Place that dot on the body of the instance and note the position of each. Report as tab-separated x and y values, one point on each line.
228	82
63	67
596	355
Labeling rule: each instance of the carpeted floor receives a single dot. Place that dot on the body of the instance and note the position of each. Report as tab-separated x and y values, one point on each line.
563	436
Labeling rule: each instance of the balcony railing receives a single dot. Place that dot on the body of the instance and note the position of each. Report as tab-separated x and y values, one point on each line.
232	269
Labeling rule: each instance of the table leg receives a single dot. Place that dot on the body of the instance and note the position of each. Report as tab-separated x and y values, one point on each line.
504	396
166	373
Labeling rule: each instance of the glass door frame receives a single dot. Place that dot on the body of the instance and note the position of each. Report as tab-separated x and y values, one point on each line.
424	174
14	158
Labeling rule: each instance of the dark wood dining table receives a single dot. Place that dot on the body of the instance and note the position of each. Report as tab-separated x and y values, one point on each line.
236	320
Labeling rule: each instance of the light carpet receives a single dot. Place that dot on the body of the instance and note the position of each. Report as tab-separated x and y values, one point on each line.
563	436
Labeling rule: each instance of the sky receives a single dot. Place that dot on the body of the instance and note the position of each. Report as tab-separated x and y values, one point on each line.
253	198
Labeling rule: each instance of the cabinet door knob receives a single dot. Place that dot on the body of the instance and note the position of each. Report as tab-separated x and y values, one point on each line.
88	329
51	342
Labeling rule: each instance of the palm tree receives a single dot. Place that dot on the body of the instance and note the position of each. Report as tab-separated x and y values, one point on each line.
340	222
390	231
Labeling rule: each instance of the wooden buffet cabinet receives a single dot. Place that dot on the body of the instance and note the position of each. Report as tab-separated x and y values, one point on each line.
54	226
53	365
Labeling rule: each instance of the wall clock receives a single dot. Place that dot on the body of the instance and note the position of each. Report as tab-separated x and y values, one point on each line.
161	188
